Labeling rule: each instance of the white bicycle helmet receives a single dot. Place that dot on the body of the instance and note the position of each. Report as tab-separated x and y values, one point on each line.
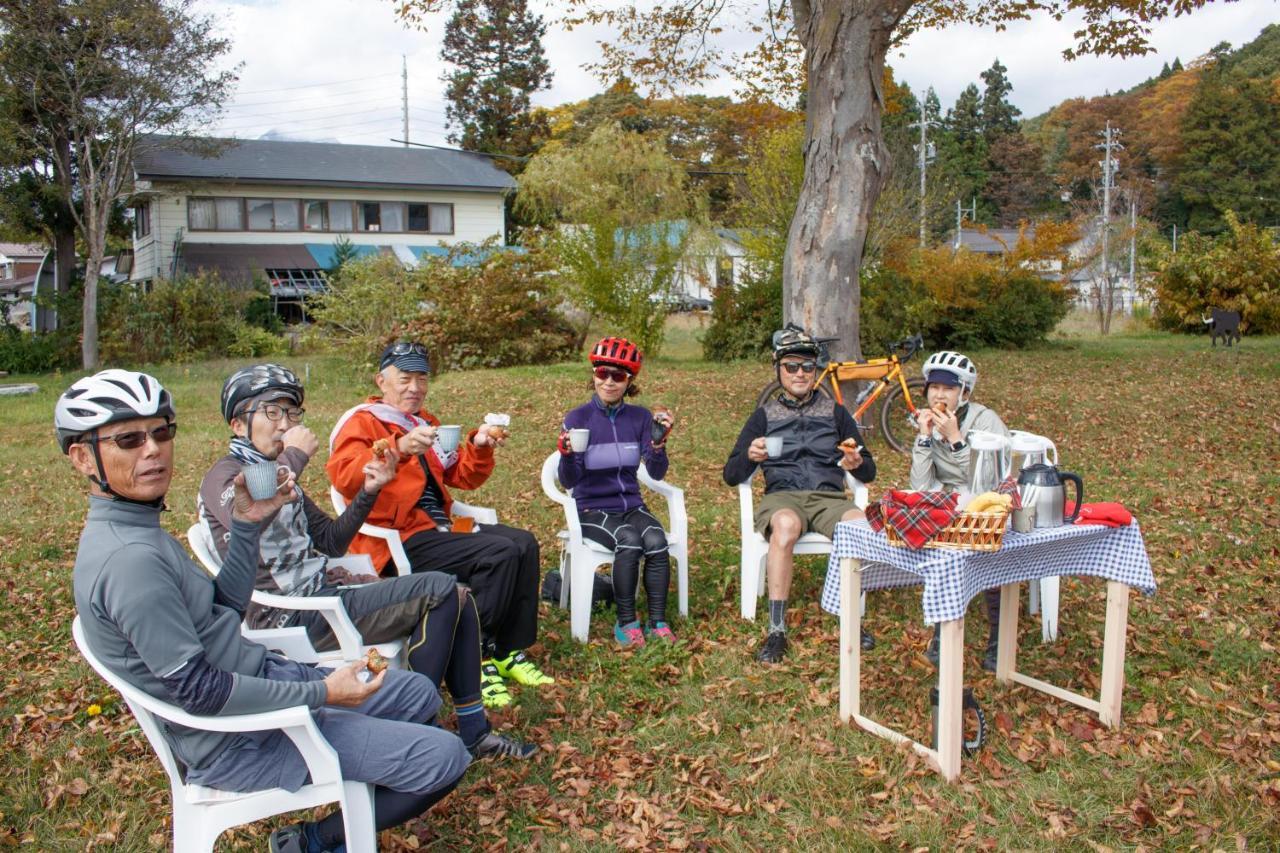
106	397
957	364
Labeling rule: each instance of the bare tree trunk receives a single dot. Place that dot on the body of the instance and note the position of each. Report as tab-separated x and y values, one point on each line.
89	330
846	163
64	253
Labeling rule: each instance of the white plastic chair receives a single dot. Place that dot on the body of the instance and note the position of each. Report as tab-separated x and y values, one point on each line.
482	515
579	557
350	644
755	548
201	814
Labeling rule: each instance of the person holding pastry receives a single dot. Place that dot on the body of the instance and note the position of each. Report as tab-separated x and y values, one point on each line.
940	457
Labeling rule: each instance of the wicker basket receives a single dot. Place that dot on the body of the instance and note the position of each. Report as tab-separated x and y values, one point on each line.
970	531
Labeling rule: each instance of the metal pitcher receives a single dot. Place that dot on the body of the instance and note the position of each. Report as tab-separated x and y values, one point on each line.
1027	449
988	461
1043	488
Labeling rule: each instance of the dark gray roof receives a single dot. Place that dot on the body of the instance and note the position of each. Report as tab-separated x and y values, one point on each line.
318	164
995	241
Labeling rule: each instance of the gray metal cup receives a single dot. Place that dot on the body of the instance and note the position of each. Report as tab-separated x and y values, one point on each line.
261	478
448	436
773	446
1024	519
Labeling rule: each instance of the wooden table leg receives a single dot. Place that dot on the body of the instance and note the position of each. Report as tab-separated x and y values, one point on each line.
1113	644
1007	648
951	698
850	638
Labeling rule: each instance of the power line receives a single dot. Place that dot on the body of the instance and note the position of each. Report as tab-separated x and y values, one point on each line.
317	85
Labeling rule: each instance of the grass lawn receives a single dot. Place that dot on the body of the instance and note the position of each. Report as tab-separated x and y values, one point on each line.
696	745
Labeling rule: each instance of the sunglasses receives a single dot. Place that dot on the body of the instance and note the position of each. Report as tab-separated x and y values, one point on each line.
799	366
603	373
274	412
134	439
406	347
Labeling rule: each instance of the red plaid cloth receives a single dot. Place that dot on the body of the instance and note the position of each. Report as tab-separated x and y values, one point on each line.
920	516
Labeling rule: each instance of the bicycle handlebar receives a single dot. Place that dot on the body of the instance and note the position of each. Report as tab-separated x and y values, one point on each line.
907	346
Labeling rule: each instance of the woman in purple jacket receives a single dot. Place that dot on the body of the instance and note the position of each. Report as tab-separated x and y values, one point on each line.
604	483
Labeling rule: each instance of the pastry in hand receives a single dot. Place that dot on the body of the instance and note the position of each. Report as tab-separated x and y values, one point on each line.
849	445
380	448
375	662
499	424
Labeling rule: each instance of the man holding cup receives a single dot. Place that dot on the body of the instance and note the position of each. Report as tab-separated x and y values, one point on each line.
499	563
263	406
804	441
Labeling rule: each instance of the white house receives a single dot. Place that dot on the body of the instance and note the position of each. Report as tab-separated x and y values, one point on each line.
273	209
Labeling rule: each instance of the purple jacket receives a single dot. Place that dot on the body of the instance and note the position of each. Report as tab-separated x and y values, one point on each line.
604	477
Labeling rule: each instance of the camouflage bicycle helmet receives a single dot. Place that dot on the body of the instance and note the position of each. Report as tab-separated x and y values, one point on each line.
793	340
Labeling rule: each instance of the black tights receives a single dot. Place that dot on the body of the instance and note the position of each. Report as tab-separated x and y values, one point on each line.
390	808
445	647
630	535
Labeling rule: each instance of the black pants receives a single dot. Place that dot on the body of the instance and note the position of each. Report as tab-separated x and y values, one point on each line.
631	535
501	565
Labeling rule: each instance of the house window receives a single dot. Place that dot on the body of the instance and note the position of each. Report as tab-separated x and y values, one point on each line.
392	216
278	214
340	218
370	216
261	213
724	271
229	213
431	218
316	215
202	215
142	220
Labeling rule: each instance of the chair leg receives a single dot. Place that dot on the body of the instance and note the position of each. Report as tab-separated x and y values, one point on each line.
357	818
682	580
191	831
566	569
752	583
1050	589
1033	598
580	597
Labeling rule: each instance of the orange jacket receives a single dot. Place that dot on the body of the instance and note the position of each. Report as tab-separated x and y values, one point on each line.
397	504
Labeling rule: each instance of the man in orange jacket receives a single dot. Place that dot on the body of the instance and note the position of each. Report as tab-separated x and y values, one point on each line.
499	563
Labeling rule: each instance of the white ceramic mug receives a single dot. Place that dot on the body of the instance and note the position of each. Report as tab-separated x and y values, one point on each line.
773	446
579	439
448	436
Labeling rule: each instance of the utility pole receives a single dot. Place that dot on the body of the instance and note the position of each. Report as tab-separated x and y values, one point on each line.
404	96
1133	249
1175	238
972	210
1111	142
924	154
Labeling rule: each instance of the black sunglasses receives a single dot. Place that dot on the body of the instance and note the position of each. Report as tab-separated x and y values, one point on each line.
603	373
798	366
406	347
134	439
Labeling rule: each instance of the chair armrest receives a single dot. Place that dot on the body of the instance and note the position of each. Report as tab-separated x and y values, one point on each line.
356	564
330	607
674	496
858	489
392	537
482	514
551	488
293	643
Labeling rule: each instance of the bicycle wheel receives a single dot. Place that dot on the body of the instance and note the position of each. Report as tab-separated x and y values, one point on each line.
769	390
896	421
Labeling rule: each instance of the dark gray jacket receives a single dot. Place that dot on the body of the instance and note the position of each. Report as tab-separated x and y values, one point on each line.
811	431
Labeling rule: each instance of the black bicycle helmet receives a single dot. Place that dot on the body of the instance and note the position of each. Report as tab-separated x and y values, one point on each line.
250	382
793	340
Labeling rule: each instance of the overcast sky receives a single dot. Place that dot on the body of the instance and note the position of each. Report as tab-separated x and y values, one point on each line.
331	69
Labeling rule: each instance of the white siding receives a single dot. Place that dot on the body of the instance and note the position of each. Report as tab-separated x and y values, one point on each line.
477	216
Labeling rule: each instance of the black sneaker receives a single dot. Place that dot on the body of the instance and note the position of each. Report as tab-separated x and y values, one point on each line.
289	839
868	641
498	746
773	649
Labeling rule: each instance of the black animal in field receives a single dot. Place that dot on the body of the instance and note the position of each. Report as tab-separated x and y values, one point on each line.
1224	324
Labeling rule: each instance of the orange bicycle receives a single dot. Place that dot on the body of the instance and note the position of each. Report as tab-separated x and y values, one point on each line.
884	377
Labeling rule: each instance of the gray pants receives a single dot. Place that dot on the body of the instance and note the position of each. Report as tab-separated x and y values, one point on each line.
390	609
384	741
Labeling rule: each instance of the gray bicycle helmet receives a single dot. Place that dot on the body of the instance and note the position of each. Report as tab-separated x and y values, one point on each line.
250	382
957	364
104	398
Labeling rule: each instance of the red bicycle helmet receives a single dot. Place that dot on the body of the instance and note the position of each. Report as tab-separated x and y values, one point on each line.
618	352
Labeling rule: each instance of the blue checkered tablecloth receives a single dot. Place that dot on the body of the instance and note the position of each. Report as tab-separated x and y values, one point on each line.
951	578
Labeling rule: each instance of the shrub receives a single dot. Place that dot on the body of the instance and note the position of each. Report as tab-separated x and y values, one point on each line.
743	318
1238	270
487	307
368	299
250	341
40	352
178	320
891	305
